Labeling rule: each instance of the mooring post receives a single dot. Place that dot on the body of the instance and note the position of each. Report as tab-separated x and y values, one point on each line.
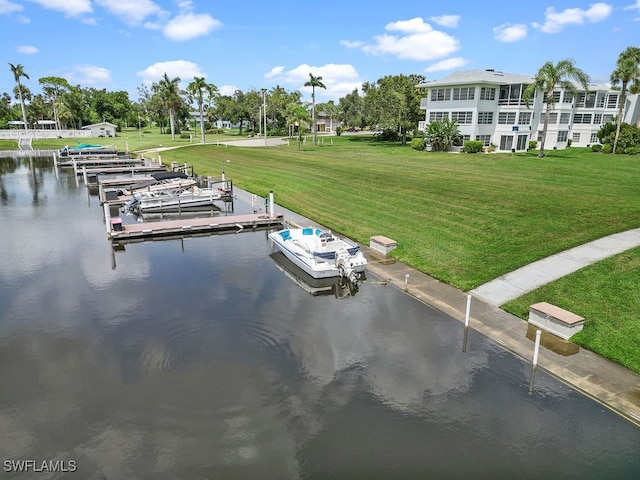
107	217
84	175
75	166
55	159
271	208
466	323
534	364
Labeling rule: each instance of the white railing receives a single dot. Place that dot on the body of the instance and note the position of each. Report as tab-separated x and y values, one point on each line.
37	134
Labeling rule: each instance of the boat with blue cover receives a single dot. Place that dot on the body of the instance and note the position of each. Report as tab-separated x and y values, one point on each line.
320	253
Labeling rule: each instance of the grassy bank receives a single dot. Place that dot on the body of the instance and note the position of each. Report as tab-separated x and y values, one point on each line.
464	219
606	294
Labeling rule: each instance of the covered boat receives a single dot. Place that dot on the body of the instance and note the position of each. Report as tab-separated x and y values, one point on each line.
320	253
179	199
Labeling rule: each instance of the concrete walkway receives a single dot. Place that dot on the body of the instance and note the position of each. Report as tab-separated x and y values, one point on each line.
528	278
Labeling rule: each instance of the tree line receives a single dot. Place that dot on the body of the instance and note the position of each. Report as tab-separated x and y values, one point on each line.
392	102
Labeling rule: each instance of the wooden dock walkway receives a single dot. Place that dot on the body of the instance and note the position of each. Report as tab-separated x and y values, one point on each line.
190	226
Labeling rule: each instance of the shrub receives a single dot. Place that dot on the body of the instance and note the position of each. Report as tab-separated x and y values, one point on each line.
632	150
568	143
418	144
606	148
596	147
533	145
214	130
473	146
387	135
339	131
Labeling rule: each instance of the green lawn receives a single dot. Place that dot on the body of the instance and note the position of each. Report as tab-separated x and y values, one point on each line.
464	219
607	295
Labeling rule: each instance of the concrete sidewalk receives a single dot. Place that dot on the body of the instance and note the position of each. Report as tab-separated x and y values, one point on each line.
528	278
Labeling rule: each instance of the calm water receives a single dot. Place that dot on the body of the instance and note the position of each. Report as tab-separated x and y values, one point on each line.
200	358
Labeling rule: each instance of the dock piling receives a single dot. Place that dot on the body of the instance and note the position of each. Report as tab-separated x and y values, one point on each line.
534	364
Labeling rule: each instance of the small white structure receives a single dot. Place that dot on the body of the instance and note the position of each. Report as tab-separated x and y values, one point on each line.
555	320
382	244
103	129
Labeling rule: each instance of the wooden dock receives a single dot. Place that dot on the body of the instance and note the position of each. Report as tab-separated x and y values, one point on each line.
190	226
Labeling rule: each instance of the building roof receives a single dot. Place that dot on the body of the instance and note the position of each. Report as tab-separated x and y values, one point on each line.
479	76
98	125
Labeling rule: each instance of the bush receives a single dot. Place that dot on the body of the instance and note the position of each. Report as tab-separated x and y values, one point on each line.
606	148
387	135
596	147
214	130
418	144
473	146
568	143
632	150
533	145
339	131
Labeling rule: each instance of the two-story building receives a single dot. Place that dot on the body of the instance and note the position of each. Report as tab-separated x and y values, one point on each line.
488	106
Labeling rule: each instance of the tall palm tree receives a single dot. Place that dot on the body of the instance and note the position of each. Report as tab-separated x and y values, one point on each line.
313	83
627	72
547	79
169	92
18	71
298	114
201	91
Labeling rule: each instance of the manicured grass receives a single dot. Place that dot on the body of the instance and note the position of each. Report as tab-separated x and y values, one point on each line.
606	294
464	219
132	139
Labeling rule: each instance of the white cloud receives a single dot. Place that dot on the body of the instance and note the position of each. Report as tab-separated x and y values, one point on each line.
556	21
68	7
417	41
27	49
7	7
339	79
348	44
635	6
446	20
89	75
274	72
132	13
227	89
190	25
448	64
176	68
510	33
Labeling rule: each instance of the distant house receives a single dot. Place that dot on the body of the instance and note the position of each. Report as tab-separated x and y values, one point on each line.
327	123
45	124
103	129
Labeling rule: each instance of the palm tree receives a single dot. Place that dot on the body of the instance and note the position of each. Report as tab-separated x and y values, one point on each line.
627	72
547	79
299	114
169	92
18	71
313	83
200	90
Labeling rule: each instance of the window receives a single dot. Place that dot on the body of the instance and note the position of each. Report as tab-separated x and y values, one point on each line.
594	138
581	98
524	118
567	98
565	118
582	118
485	139
612	100
438	116
522	142
464	93
466	138
600	100
506	118
563	135
590	100
487	93
553	118
506	141
540	136
575	138
463	118
597	119
556	97
607	117
440	94
485	118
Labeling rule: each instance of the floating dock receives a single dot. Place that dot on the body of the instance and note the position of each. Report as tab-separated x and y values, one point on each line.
121	233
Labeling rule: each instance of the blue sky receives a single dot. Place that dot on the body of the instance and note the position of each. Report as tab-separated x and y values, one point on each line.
121	44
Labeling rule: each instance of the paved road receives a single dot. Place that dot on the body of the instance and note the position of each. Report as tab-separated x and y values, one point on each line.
528	278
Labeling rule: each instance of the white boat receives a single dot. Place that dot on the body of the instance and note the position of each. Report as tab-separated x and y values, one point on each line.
320	253
175	200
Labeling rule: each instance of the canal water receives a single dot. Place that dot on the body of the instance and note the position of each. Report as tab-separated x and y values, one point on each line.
204	357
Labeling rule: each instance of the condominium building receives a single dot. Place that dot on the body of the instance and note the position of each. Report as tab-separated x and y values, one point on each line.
488	106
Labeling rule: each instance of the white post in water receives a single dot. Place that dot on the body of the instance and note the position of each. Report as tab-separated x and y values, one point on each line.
55	159
159	159
107	217
271	208
534	364
84	175
466	323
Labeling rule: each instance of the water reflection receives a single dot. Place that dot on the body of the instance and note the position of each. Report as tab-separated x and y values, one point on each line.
199	358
